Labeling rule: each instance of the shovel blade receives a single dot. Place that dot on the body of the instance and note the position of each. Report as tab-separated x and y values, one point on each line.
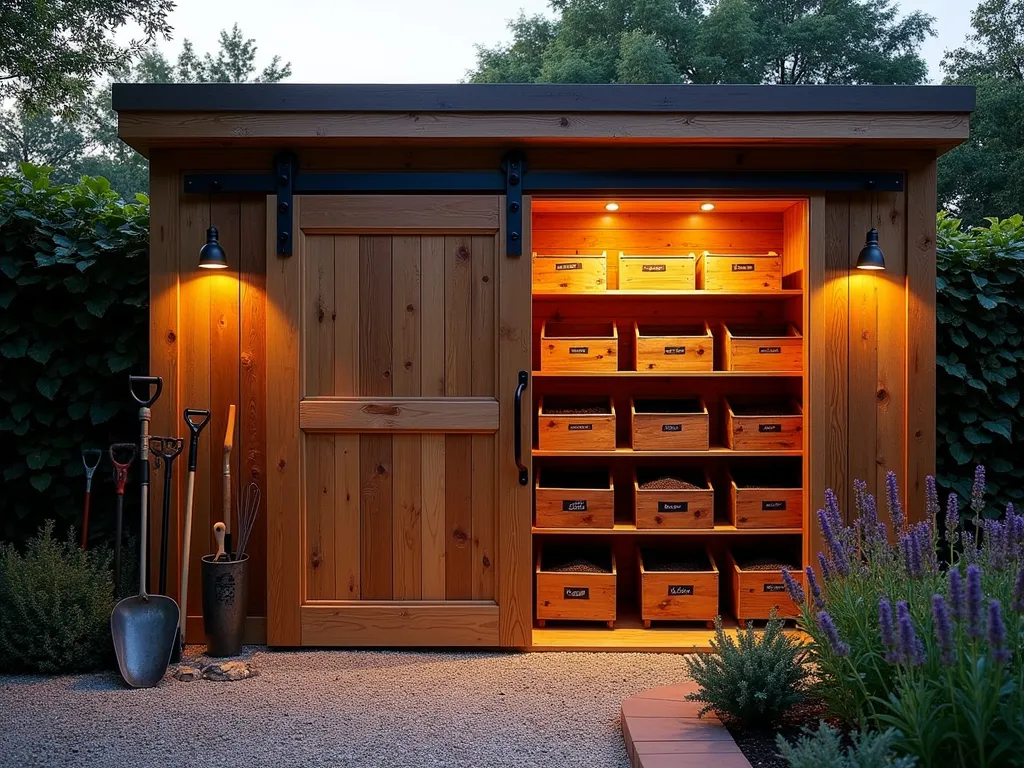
143	630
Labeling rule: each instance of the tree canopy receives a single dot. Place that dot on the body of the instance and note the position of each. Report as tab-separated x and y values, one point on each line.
711	41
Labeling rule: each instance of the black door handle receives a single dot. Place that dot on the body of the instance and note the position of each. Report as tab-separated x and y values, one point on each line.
524	474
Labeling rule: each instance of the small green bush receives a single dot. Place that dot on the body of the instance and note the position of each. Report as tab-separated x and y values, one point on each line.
55	604
824	747
754	680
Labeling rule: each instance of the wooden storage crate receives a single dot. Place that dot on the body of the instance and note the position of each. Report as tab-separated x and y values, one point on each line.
764	499
657	273
669	425
570	497
764	425
673	508
570	274
574	347
677	584
763	348
739	271
754	592
673	348
591	431
573	595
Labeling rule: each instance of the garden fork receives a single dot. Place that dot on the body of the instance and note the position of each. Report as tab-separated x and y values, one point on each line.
93	455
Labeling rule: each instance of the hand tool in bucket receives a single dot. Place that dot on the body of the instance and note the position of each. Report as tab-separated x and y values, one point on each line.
90	460
229	439
166	450
120	480
195	427
225	596
143	627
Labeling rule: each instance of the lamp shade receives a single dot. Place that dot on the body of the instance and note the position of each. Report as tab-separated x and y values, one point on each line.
211	255
871	256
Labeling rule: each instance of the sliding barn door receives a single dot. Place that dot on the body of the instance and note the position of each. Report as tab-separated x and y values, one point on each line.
398	330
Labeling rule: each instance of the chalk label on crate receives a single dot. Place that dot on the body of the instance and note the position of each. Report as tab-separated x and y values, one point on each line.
580	427
675	350
680	590
671	427
673	506
774	587
767	506
769	350
579	350
742	267
574	505
567	265
769	427
653	268
576	593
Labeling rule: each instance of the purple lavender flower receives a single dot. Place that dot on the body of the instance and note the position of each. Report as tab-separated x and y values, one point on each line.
910	650
795	590
943	628
812	583
1018	592
869	518
956	593
908	548
839	557
996	541
925	539
974	602
888	633
997	633
970	548
978	490
839	648
952	519
827	571
931	499
892	497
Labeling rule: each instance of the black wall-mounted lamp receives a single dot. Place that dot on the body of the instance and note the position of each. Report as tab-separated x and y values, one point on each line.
211	255
871	256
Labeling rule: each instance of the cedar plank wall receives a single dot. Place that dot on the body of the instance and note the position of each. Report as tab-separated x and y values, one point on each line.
878	395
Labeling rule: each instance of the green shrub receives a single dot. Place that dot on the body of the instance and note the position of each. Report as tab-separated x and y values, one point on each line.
753	678
824	747
980	347
55	604
73	325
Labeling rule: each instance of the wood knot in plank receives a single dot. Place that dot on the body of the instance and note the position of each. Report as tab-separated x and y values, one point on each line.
380	469
485	279
486	561
564	122
381	409
462	253
461	539
882	395
171	337
282	464
315	559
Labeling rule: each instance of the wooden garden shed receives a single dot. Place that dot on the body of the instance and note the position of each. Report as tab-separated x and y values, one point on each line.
540	366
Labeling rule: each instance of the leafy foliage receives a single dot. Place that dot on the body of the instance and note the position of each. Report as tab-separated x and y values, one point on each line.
711	41
980	350
814	749
754	678
73	295
55	603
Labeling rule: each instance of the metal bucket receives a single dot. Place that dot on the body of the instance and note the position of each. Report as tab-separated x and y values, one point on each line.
225	596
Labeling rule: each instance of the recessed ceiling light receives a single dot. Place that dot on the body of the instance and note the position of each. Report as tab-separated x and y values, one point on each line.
707	206
611	206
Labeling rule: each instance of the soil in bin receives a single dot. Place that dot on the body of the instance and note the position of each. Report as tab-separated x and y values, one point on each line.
660	560
668	406
760	332
585	561
765	564
579	410
668	484
658	479
758	744
575	478
781	409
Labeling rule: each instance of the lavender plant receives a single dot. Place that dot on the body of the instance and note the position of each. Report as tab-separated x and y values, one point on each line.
930	647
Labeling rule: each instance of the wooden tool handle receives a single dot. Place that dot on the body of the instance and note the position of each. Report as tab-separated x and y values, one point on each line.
229	438
218	532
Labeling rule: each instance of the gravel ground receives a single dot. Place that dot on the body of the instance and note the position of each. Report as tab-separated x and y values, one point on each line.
341	708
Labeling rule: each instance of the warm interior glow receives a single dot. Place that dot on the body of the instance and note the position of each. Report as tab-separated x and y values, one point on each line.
611	206
213	266
707	206
870	267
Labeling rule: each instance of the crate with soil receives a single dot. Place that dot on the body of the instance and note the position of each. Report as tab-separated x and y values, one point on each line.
578	347
576	424
673	348
580	273
574	497
670	499
763	348
763	499
739	271
657	273
757	585
677	584
575	583
764	425
669	424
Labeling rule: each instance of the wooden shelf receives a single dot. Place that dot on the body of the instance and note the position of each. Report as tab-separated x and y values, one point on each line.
623	452
668	374
621	529
785	293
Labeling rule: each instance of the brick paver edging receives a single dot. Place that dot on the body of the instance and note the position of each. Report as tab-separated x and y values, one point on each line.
662	730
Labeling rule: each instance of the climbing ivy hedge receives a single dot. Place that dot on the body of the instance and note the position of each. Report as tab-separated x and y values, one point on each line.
73	296
981	355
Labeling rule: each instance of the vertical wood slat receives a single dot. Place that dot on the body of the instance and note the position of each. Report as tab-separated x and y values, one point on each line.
284	481
458	276
406	373
815	378
252	425
346	447
319	314
836	328
515	317
484	457
432	384
864	340
921	321
375	459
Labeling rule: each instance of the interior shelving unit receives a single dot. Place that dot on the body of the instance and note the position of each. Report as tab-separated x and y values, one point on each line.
668	227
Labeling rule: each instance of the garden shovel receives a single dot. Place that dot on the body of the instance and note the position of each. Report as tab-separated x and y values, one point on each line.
120	480
90	460
195	428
